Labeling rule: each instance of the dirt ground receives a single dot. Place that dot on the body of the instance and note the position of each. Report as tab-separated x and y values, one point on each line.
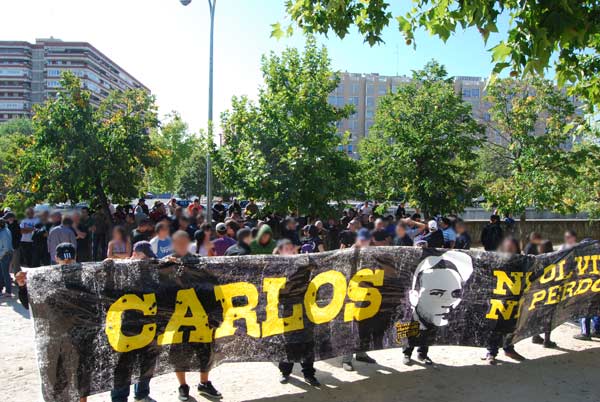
567	374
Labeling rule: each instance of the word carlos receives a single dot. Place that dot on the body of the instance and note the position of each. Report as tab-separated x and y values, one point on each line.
566	286
188	311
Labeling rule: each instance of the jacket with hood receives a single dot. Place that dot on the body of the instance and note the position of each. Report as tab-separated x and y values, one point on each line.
240	248
257	248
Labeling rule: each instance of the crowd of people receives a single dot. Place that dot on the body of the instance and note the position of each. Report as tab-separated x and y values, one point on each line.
170	231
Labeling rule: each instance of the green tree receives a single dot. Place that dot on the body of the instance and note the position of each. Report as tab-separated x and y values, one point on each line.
192	178
421	145
80	152
175	145
15	136
283	149
539	169
586	186
540	32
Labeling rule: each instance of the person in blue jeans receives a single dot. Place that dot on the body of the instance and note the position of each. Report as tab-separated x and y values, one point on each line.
141	392
6	253
142	250
587	324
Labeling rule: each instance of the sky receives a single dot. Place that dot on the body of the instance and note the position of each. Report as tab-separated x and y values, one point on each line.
166	45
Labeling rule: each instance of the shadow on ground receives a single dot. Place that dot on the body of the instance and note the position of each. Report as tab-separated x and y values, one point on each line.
572	376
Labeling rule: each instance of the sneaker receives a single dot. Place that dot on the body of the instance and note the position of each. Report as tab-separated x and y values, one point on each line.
365	358
184	392
209	391
312	381
582	337
513	354
550	344
424	359
284	379
406	360
490	359
347	366
146	399
538	340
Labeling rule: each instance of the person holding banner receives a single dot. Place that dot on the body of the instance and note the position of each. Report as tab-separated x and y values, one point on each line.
187	352
509	245
286	247
142	250
363	239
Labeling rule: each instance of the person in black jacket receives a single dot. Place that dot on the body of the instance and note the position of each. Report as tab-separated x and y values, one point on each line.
463	239
242	247
492	234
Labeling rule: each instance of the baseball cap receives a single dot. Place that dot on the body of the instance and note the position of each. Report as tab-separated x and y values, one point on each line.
363	234
221	228
145	248
9	215
432	225
65	251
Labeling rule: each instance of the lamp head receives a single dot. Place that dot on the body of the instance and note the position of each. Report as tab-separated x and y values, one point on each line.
185	2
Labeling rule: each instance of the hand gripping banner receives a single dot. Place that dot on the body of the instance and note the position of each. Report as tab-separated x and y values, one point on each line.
106	325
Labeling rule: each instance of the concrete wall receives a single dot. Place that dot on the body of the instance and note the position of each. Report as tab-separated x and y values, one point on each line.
552	230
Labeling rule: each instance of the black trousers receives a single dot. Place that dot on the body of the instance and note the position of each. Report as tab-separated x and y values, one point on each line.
308	368
27	253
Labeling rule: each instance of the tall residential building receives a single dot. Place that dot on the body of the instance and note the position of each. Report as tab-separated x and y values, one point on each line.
364	90
30	73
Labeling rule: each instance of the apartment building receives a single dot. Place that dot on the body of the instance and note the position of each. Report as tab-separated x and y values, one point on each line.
30	73
364	90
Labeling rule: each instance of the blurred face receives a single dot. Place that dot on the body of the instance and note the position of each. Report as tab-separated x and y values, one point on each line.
265	238
29	213
181	245
116	234
319	225
76	218
460	228
570	239
440	292
163	233
56	218
287	249
509	247
400	231
379	224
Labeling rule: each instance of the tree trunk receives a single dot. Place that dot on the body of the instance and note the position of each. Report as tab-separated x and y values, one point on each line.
522	234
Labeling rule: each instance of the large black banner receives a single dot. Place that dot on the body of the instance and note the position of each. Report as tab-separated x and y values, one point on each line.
104	325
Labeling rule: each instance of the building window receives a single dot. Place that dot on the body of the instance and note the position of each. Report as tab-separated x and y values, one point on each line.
370	89
370	102
350	149
354	89
382	90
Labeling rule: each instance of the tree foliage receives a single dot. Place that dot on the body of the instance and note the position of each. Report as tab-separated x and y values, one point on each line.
540	32
15	136
81	152
421	145
192	171
539	170
175	145
283	149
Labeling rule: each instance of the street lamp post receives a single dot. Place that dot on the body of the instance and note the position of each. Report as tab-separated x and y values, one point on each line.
209	198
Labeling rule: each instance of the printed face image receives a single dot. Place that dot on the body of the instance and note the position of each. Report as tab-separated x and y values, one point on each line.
438	287
440	292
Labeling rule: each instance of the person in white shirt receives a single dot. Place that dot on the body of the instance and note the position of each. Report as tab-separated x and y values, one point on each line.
27	228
